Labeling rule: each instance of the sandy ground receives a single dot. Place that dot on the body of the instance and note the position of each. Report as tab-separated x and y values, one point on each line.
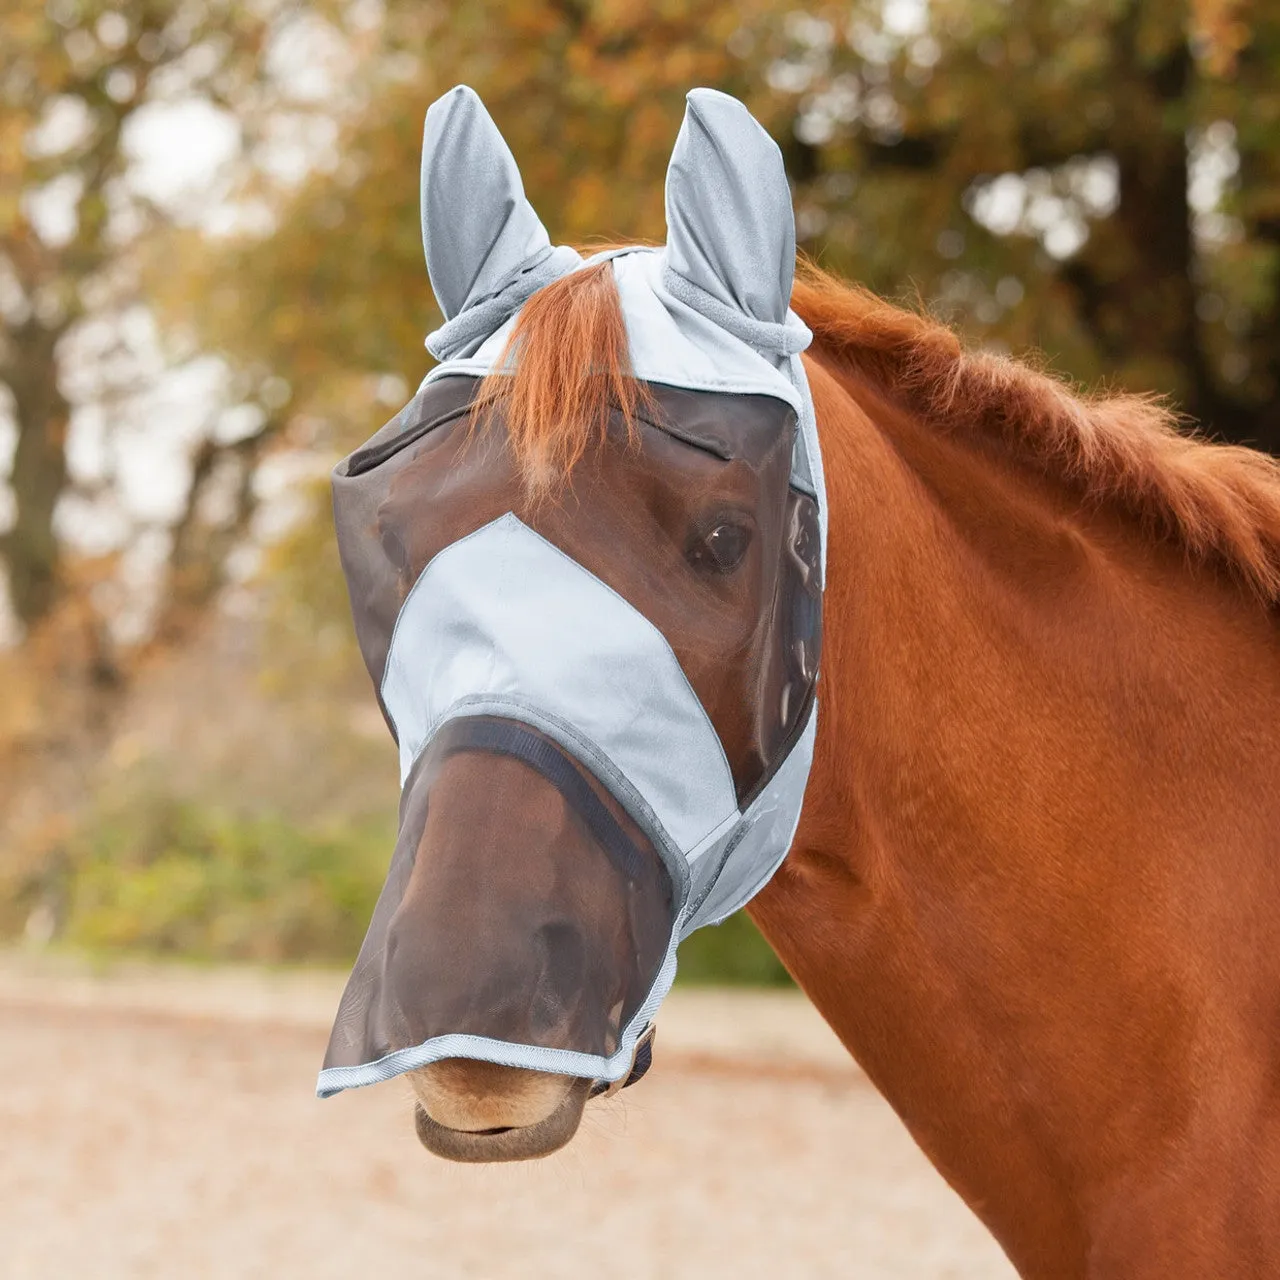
162	1123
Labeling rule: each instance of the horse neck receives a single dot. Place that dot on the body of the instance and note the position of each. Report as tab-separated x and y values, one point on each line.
1035	886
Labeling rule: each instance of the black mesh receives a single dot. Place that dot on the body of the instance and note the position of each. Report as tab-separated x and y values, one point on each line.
747	639
522	905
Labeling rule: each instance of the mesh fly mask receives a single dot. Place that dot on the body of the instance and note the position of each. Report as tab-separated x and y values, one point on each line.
604	704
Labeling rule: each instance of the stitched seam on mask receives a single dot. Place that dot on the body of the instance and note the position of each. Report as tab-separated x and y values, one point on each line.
734	840
781	857
673	429
590	755
455	1045
776	389
511	277
366	459
333	1080
509	738
808	433
483	317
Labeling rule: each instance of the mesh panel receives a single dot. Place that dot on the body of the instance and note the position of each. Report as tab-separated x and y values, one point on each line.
545	931
658	523
523	904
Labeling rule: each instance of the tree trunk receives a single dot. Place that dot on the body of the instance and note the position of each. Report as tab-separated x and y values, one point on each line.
39	474
1136	287
1258	203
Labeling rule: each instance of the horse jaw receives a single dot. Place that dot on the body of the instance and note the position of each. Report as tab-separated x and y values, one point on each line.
476	1112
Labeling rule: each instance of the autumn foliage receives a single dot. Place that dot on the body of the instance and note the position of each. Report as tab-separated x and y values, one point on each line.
1098	181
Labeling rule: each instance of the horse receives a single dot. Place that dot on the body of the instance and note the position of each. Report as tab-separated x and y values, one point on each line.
1035	887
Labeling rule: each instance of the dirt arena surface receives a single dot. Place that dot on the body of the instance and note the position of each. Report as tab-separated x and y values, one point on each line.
162	1123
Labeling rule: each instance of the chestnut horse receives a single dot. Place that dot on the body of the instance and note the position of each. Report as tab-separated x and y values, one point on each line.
1036	885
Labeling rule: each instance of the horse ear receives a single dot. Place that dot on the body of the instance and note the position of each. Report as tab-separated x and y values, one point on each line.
477	225
730	226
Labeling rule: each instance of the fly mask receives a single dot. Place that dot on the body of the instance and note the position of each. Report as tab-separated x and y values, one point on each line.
604	704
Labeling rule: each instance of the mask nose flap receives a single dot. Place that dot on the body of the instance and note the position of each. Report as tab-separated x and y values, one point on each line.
523	909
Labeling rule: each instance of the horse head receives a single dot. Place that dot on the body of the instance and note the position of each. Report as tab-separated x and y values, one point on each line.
585	570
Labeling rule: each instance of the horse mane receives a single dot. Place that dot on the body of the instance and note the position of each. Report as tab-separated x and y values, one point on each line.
1130	453
566	370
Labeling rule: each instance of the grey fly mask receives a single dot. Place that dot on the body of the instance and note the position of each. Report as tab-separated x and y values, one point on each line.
605	706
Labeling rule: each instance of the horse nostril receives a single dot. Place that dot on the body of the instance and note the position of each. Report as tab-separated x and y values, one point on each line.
565	948
394	549
563	978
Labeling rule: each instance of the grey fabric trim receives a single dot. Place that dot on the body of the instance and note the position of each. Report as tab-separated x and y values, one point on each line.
800	477
801	472
457	337
763	840
471	610
735	839
807	438
787	339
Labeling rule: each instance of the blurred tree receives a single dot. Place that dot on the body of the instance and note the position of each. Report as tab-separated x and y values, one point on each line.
81	82
336	300
588	94
74	77
1098	178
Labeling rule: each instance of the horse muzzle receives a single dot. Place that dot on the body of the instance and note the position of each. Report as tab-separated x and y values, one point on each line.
505	1143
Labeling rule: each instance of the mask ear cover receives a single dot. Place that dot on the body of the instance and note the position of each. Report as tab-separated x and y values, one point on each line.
487	250
731	240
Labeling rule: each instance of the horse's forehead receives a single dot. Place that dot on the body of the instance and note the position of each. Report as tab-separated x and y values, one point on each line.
728	425
731	426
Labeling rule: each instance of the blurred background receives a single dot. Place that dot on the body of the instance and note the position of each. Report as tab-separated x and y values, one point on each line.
212	287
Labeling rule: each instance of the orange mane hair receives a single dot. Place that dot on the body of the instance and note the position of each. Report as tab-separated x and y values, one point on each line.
569	369
572	370
1220	502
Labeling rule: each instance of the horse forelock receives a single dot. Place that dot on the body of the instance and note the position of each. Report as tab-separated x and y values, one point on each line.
565	370
1127	452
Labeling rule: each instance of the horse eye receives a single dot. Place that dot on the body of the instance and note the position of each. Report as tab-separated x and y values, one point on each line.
721	550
